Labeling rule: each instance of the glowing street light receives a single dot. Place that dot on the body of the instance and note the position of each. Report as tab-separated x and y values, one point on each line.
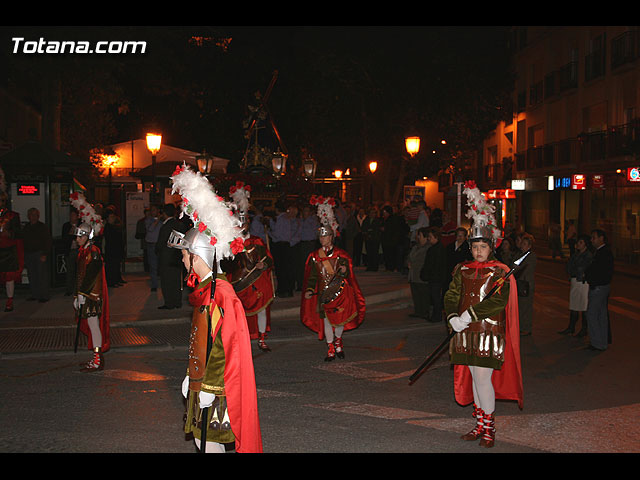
154	142
337	173
413	145
373	166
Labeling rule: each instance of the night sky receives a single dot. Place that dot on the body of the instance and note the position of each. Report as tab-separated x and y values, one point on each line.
343	93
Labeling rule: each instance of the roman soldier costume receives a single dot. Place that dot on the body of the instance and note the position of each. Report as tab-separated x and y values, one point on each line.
91	299
251	272
219	386
332	301
11	246
485	351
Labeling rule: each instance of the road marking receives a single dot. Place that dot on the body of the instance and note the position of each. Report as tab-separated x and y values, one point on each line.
133	375
377	411
352	369
262	393
606	430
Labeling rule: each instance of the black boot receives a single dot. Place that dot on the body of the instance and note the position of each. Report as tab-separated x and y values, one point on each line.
583	328
573	318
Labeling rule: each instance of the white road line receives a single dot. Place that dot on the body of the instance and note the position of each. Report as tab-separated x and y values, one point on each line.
377	411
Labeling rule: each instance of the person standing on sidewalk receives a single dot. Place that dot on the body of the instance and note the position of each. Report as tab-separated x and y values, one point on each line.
91	299
170	270
578	262
220	385
485	350
434	272
152	227
419	288
525	280
37	247
599	275
338	305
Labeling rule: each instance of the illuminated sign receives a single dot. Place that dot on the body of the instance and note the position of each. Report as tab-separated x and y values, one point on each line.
597	181
501	194
579	182
518	184
633	174
28	189
562	182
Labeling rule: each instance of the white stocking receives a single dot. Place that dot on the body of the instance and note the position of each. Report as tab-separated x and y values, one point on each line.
338	331
262	321
483	393
10	288
328	331
212	447
96	334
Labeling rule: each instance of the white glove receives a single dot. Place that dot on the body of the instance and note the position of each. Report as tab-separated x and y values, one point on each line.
461	322
78	301
206	399
185	386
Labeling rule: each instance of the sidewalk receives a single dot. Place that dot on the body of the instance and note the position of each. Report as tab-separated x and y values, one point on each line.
136	320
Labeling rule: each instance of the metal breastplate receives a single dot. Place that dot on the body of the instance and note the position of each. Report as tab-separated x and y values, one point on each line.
198	347
243	268
331	283
85	257
485	337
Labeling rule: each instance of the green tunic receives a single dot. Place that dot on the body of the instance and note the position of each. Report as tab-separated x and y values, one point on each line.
218	429
482	343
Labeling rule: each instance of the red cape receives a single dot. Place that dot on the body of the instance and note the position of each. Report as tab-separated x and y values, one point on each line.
507	382
239	376
104	321
308	308
255	299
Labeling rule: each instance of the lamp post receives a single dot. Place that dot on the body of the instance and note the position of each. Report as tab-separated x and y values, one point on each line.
154	142
373	166
279	163
412	145
309	167
205	163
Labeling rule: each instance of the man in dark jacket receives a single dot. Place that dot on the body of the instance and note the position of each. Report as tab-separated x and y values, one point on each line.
598	276
170	269
434	272
394	229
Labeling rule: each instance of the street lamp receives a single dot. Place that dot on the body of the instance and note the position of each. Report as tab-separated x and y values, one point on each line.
337	174
154	142
373	166
309	167
279	163
205	163
413	145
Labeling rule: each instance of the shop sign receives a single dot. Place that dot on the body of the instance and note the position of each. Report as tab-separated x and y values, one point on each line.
562	182
507	193
597	181
518	184
28	189
578	182
633	174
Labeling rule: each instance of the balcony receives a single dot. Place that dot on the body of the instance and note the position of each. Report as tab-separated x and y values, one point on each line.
624	49
586	149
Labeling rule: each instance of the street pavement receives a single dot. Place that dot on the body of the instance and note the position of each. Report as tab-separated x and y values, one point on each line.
576	401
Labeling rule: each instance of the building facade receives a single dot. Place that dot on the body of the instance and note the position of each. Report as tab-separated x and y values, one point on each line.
571	151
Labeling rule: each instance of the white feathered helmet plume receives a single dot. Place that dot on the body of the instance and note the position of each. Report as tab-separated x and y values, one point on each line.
482	215
91	223
240	194
329	224
216	232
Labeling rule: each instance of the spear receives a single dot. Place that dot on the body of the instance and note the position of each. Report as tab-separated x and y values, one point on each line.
205	411
497	284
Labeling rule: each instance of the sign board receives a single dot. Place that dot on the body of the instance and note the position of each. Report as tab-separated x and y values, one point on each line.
633	174
413	193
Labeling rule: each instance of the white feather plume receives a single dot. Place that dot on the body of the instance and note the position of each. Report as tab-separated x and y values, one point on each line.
325	212
208	211
86	212
480	211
